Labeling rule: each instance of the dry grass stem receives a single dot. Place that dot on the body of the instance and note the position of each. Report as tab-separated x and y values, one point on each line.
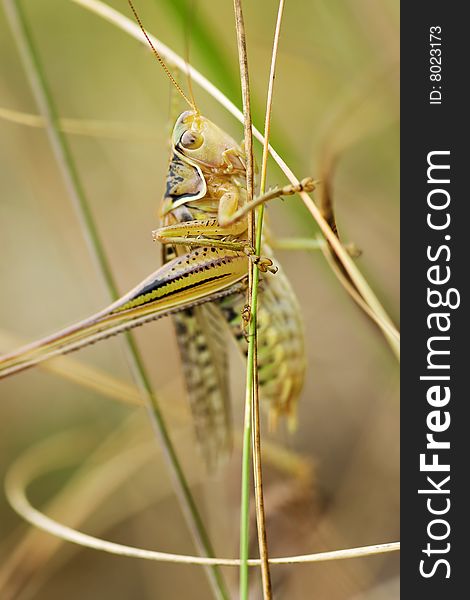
252	391
86	127
24	470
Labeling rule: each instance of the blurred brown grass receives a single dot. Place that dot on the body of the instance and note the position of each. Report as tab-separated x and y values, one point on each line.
336	95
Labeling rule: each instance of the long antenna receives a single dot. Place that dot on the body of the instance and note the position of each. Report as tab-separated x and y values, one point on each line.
186	57
191	103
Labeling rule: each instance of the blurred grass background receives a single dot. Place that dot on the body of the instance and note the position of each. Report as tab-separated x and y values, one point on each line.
336	103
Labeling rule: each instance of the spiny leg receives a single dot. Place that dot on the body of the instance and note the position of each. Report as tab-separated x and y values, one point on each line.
196	229
194	233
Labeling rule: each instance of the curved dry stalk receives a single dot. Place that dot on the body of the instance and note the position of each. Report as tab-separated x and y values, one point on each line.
25	469
352	290
359	281
106	468
89	486
110	465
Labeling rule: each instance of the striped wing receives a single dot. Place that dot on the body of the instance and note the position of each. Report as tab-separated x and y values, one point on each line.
202	343
201	335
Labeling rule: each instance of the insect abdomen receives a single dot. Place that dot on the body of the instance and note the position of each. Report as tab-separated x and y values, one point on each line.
281	351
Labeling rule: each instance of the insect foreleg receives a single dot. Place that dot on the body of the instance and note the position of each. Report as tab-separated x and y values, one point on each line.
306	185
198	233
264	264
207	228
233	157
203	241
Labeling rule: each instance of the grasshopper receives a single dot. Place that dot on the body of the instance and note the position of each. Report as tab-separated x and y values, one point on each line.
205	250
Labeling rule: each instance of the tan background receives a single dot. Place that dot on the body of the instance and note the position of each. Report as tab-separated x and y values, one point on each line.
336	95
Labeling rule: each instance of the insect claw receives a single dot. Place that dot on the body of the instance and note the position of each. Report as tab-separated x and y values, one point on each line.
246	313
264	264
307	184
246	318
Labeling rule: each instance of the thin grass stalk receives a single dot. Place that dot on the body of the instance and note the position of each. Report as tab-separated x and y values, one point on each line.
252	338
352	291
29	565
245	494
33	464
28	468
250	367
298	243
98	477
84	127
36	76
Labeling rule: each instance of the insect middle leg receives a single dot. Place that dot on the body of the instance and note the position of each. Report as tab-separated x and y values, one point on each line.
200	232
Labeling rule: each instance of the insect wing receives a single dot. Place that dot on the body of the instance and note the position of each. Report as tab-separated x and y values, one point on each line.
202	343
281	352
201	336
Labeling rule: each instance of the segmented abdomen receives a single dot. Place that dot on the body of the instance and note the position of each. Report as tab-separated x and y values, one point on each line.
281	350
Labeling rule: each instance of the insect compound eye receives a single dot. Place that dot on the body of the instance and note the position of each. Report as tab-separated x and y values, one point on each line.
191	140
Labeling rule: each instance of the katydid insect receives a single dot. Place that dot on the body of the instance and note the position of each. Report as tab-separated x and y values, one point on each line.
201	283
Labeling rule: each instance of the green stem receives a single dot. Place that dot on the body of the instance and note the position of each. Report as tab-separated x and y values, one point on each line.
299	244
247	431
245	499
35	73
